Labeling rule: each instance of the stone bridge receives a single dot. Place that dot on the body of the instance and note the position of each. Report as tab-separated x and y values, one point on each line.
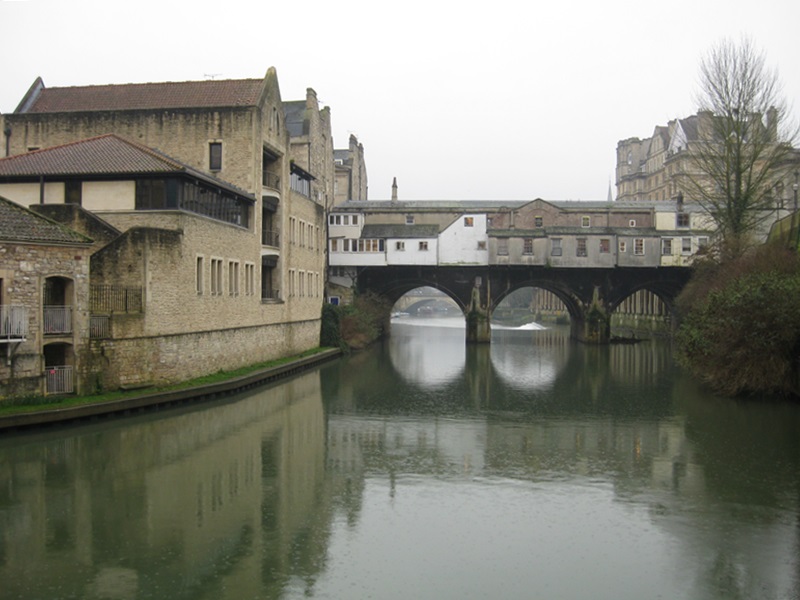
590	294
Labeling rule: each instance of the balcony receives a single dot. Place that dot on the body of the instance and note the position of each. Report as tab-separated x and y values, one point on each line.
270	238
13	323
57	320
271	181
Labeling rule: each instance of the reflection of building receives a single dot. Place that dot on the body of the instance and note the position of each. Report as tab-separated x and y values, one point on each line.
209	227
209	502
44	303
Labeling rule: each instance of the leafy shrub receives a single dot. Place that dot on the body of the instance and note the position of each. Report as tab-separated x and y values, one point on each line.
740	330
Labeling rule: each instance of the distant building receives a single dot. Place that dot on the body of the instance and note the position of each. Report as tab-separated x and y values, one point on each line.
656	168
351	173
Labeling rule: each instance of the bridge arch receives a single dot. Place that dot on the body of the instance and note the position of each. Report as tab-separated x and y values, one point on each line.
590	294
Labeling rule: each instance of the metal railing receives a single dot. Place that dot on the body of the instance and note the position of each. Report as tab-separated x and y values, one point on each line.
115	298
59	379
13	322
57	320
271	180
270	238
99	327
270	295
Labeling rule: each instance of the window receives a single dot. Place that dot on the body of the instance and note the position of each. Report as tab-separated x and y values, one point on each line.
555	249
249	279
233	278
537	221
355	219
468	222
215	156
666	246
623	247
199	271
580	248
682	220
527	246
72	192
482	245
686	245
423	246
400	246
216	276
605	246
502	247
409	219
370	245
586	221
345	219
334	245
638	246
632	223
702	242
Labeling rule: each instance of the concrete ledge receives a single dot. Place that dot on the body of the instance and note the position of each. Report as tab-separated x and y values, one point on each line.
161	399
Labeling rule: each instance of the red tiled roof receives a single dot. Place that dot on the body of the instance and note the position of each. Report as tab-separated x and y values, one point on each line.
18	224
149	96
104	155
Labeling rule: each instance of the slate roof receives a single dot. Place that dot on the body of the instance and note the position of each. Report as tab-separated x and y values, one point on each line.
378	231
295	116
146	96
18	224
103	156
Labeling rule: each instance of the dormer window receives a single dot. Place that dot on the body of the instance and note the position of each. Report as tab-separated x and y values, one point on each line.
409	219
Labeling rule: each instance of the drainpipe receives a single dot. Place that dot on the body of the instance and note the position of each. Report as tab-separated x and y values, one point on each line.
7	133
41	189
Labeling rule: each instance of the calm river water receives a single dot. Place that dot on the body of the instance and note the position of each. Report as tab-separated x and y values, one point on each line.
424	469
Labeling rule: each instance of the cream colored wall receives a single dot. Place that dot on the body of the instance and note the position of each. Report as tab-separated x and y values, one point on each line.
108	195
27	194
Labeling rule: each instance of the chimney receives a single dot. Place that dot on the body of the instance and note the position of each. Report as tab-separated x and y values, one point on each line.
394	190
772	123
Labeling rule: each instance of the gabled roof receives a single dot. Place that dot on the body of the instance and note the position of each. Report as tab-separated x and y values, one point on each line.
378	231
103	156
142	96
18	224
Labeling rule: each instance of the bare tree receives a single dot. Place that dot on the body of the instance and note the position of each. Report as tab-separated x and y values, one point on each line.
744	142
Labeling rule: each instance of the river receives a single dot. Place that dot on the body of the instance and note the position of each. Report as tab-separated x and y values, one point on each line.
422	468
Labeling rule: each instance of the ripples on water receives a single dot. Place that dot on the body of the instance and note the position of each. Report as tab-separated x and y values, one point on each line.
424	468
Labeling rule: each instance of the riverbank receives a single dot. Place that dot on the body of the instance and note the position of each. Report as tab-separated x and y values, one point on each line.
25	416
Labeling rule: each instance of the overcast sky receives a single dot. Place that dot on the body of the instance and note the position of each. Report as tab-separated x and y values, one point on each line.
461	100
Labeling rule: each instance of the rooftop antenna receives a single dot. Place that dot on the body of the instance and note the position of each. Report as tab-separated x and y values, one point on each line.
211	75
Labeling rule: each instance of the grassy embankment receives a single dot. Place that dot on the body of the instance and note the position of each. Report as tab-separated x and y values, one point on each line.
36	403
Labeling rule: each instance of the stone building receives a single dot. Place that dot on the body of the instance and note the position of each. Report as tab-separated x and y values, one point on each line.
657	168
351	173
44	303
221	227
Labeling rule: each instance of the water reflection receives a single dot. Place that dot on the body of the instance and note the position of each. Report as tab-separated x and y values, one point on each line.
528	470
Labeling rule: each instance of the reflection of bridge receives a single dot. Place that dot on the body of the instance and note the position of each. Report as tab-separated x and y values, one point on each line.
590	295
